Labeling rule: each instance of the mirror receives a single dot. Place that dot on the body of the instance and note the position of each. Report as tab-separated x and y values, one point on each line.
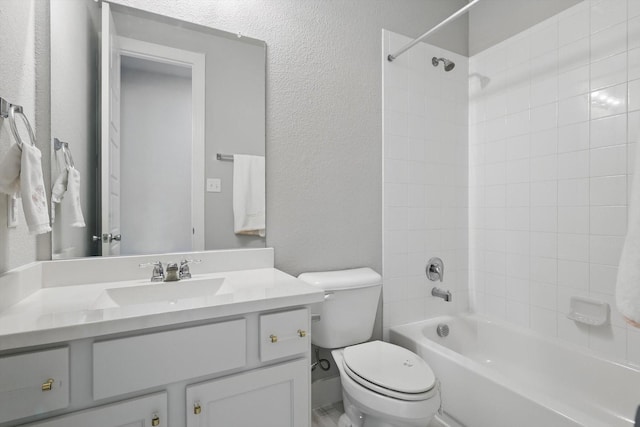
142	106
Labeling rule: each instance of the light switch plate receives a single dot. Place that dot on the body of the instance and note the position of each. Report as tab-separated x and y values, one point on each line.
214	185
12	212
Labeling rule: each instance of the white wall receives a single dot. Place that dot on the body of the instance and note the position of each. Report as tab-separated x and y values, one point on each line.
17	85
551	138
156	156
425	181
324	116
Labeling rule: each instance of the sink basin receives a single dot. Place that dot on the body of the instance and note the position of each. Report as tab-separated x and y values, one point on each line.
168	292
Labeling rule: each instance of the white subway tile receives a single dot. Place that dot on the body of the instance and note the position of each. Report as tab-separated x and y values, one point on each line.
634	95
395	123
609	42
518	171
544	219
395	147
518	290
394	289
634	32
609	71
573	27
518	98
605	249
395	265
544	117
573	192
544	193
573	55
495	196
517	195
573	137
603	279
608	220
545	90
517	266
607	13
495	306
574	82
609	101
544	168
396	218
573	274
573	219
544	143
543	295
395	194
543	40
495	284
396	171
633	64
544	244
517	218
517	147
633	8
517	242
608	161
608	191
573	247
573	110
574	164
609	131
417	127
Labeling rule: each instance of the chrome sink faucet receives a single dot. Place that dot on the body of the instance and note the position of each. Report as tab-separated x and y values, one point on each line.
185	273
158	272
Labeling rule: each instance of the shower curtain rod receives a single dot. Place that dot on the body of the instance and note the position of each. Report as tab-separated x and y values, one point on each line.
456	15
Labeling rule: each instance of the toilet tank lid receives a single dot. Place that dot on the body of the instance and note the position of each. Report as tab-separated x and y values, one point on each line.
342	279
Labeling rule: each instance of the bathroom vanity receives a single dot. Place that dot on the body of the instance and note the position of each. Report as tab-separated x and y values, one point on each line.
230	347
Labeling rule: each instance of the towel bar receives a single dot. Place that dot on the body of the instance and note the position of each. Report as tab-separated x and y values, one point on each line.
9	111
228	157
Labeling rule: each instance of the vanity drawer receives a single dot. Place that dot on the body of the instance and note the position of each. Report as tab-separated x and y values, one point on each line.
284	334
33	383
136	363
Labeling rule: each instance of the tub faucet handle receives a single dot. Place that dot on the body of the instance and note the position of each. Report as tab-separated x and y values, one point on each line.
435	269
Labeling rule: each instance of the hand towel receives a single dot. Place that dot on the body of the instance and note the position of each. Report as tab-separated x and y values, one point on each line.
60	186
77	219
10	171
628	281
249	195
34	197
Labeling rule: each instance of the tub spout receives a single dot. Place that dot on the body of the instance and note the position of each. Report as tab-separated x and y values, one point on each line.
445	295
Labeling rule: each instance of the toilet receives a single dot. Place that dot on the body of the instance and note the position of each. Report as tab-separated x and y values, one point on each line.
383	385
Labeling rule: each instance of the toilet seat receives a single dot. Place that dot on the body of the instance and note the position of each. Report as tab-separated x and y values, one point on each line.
389	370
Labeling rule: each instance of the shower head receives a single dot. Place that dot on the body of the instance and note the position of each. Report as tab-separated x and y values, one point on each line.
448	65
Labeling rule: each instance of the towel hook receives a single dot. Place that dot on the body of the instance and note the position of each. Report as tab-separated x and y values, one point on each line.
9	111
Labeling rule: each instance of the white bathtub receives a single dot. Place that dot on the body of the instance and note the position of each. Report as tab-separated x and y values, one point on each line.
497	375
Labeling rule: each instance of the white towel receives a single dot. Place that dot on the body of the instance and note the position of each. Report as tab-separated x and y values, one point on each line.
77	219
10	171
60	186
34	197
249	195
628	282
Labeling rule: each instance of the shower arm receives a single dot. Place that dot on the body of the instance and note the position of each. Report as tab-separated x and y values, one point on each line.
456	15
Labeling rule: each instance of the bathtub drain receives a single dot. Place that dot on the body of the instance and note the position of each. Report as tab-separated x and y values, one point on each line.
442	330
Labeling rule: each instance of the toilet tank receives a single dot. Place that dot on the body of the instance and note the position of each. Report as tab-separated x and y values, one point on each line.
349	310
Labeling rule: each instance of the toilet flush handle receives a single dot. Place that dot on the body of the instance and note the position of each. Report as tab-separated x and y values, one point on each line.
328	295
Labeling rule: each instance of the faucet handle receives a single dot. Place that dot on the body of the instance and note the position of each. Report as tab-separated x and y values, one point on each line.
158	272
184	267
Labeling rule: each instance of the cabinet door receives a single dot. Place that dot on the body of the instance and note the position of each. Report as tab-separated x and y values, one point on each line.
142	412
276	396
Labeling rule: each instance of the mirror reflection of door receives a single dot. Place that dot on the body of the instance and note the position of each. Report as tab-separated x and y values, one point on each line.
153	136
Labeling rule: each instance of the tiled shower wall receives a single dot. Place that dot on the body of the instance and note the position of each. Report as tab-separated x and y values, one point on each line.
425	181
554	117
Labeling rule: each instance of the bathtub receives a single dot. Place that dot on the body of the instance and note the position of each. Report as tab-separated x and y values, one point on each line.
497	375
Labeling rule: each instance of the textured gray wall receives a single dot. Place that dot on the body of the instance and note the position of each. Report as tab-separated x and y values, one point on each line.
324	115
18	50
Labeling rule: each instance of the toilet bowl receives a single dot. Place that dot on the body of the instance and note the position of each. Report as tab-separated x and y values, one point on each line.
383	385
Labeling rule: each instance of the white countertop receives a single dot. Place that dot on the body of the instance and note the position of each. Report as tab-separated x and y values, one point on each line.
64	313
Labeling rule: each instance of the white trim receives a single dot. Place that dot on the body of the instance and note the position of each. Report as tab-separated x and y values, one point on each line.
196	61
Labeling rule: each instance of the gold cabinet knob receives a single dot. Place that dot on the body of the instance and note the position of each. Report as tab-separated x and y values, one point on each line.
197	408
302	333
155	421
47	385
274	338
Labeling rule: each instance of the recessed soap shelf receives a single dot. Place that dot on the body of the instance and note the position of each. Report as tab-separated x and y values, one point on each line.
588	311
